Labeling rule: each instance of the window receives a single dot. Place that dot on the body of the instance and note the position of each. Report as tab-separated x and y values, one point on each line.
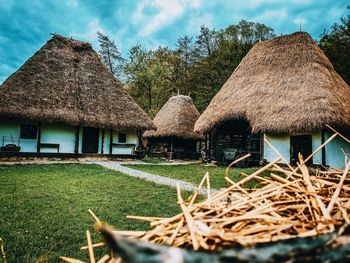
122	137
29	131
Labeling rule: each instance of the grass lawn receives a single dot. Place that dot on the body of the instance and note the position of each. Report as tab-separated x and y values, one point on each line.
44	208
193	173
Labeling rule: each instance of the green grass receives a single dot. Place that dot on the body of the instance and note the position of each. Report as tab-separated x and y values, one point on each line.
44	208
193	173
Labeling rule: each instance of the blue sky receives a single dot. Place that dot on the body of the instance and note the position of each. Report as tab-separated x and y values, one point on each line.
25	25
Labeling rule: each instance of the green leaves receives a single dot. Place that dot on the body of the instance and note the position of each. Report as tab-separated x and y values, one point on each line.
109	54
336	45
198	65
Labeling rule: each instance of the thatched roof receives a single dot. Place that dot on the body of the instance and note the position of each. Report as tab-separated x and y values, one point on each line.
176	119
66	82
283	85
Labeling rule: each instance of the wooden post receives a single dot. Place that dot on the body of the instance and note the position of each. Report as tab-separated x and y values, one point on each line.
111	141
171	149
212	150
38	142
139	137
206	146
76	146
262	143
103	140
323	149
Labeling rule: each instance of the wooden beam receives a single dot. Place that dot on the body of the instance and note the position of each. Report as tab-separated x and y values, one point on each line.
39	138
76	145
171	149
103	140
323	149
211	145
262	137
340	135
111	141
139	137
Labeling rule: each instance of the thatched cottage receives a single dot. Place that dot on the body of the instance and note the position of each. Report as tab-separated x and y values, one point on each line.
63	100
175	122
287	90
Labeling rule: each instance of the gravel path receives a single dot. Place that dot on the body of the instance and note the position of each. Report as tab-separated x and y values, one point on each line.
150	177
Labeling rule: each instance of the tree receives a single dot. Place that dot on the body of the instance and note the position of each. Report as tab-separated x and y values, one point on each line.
197	67
336	45
263	32
185	48
246	32
150	77
220	52
139	79
185	52
110	54
205	43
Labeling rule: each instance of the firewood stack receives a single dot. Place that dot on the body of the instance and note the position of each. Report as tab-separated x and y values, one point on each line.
292	202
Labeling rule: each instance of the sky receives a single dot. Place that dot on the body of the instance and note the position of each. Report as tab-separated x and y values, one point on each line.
25	25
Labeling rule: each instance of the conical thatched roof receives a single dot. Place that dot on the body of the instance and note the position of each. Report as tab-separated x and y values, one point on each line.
283	85
176	119
65	81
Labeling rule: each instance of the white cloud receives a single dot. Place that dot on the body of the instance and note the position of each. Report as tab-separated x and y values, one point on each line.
195	23
271	15
90	32
138	15
195	3
166	12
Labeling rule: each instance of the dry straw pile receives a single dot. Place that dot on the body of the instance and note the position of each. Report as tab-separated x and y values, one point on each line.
292	202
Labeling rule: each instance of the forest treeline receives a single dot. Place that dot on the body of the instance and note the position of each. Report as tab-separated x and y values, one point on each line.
200	65
197	65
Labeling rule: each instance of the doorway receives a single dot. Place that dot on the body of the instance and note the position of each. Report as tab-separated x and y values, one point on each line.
233	139
300	144
90	140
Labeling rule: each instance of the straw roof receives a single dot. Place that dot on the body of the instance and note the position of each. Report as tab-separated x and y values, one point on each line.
66	82
283	85
176	119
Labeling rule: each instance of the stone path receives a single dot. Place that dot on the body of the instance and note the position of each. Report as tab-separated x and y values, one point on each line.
116	166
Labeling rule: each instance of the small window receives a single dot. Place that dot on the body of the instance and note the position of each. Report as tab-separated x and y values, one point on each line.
29	131
122	137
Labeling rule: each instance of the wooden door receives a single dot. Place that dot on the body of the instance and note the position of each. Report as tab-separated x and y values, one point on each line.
90	140
300	144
